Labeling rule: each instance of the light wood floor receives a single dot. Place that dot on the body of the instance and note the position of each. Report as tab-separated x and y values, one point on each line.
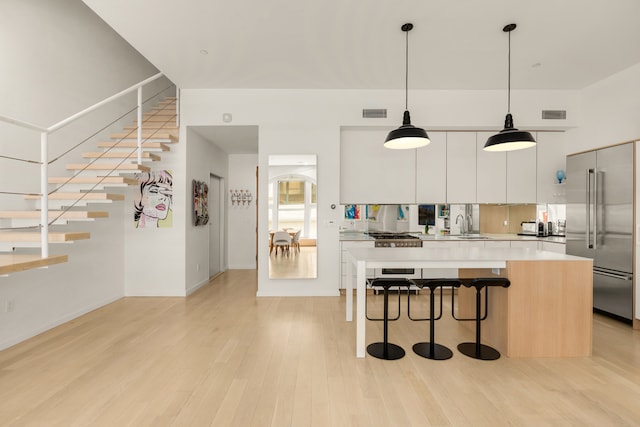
224	357
296	265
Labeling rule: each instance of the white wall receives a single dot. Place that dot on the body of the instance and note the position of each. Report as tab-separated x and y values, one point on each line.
203	159
309	122
57	59
611	112
242	218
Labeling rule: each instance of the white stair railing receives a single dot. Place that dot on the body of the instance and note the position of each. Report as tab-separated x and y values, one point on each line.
44	148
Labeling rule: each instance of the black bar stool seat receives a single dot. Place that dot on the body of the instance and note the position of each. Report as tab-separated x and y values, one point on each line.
385	349
476	349
432	350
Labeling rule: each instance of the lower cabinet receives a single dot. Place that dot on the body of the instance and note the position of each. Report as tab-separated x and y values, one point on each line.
560	248
344	246
528	244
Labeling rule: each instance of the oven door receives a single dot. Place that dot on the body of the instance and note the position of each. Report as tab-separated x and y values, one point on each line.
409	273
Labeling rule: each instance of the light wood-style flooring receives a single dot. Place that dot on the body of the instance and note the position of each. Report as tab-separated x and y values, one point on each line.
222	357
295	265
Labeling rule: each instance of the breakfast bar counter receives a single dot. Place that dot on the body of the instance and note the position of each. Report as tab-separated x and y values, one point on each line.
546	312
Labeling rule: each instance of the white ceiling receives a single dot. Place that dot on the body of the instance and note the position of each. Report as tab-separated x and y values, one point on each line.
358	44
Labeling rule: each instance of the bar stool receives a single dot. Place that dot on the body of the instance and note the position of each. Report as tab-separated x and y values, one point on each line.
385	349
432	350
476	349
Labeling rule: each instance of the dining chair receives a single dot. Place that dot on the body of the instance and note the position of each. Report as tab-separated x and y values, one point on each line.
282	239
295	242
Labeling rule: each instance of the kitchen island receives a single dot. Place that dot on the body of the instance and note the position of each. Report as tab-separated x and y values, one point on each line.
546	312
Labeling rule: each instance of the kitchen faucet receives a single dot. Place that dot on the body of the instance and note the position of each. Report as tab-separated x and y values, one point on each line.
463	228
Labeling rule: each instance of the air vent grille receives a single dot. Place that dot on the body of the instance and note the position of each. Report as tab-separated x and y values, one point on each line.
374	113
554	114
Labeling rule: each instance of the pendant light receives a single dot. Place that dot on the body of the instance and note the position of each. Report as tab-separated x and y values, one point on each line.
509	138
407	135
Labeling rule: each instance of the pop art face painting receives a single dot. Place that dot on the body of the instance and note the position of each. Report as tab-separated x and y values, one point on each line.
153	201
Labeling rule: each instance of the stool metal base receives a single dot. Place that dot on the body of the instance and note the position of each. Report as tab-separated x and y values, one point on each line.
440	352
393	352
486	352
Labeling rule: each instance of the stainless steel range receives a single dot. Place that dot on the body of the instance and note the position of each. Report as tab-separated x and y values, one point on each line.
395	240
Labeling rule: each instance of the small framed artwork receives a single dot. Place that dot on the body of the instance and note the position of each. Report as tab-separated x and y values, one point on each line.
352	212
200	203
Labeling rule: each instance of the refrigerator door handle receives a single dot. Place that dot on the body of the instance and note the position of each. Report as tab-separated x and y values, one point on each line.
619	276
595	208
613	275
588	228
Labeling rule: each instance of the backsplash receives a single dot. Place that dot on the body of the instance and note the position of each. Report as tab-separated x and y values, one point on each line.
485	218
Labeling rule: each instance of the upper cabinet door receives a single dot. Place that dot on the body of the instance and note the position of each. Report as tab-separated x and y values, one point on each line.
491	173
370	173
431	170
521	176
551	151
461	167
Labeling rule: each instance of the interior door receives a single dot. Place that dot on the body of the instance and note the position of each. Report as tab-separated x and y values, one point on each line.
215	235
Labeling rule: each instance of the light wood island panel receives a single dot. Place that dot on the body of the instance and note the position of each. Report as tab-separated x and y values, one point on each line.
546	312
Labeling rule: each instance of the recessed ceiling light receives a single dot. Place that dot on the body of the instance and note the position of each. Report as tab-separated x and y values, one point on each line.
204	51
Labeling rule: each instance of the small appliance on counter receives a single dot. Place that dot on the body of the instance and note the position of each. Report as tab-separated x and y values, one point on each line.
529	228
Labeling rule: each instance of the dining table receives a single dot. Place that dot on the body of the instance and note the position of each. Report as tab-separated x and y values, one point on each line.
546	312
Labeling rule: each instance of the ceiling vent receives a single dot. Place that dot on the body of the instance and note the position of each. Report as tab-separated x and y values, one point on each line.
554	114
374	113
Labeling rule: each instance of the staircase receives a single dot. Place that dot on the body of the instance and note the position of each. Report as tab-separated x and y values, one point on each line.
113	165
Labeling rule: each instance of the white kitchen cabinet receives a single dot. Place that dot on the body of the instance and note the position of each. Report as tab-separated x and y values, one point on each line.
344	246
461	167
521	176
551	154
553	247
472	243
528	244
431	170
370	173
497	244
491	172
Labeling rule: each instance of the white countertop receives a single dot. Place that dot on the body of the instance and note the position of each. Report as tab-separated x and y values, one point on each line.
358	236
452	257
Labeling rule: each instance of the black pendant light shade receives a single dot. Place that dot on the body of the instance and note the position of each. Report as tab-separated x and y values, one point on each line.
509	138
407	135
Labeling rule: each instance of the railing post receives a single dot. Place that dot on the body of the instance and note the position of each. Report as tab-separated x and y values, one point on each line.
140	125
177	107
44	197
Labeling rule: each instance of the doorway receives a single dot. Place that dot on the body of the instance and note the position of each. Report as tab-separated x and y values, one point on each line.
216	229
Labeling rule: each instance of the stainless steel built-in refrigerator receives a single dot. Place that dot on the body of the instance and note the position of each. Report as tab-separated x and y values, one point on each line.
600	223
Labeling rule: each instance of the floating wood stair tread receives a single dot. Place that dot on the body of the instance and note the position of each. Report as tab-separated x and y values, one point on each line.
109	166
119	155
163	113
14	263
56	237
83	196
134	144
169	119
55	214
153	126
145	135
106	180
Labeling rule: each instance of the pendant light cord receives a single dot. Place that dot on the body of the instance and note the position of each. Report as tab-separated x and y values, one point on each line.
406	73
509	73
